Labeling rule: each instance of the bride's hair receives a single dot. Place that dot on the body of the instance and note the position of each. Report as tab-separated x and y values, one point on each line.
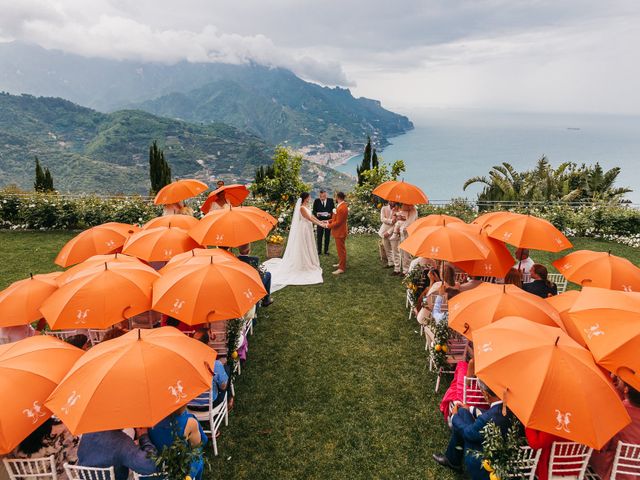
304	196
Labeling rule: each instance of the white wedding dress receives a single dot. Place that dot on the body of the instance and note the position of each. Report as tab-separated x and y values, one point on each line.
300	264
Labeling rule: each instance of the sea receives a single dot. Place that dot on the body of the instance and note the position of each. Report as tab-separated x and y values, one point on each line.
449	146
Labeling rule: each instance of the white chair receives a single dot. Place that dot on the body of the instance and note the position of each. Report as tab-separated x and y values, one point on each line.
627	460
212	416
218	338
153	476
4	340
527	463
31	468
569	460
488	279
456	350
96	336
526	277
75	472
472	395
559	280
461	277
61	334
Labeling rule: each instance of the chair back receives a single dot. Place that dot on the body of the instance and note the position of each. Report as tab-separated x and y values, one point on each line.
43	468
75	472
569	460
559	280
527	463
461	277
153	476
96	335
4	340
526	277
472	395
61	334
488	279
627	461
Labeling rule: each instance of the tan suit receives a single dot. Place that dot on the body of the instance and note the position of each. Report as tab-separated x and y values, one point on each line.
412	216
386	219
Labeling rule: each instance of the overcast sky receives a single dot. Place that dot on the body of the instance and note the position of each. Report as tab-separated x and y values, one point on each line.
529	55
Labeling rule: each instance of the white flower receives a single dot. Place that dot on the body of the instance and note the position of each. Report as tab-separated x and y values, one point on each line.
280	220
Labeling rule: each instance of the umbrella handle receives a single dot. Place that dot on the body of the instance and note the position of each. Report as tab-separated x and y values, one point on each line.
466	328
212	312
124	310
629	376
208	368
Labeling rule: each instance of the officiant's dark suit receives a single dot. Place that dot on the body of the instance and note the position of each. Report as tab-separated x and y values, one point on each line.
323	210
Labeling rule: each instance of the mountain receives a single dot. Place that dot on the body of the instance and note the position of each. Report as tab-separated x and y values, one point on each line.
272	103
90	151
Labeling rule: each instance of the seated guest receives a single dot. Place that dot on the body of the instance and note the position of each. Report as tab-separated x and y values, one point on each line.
466	434
50	438
114	448
514	277
543	441
471	284
115	332
168	321
220	382
539	285
13	334
523	262
602	461
244	255
79	340
162	435
420	311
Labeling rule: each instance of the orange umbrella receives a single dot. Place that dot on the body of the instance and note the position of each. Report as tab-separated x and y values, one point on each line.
497	264
199	256
471	310
135	380
101	296
186	222
178	191
454	242
158	244
609	322
201	293
527	231
432	221
92	262
599	269
232	227
234	194
102	239
486	218
29	371
563	303
548	381
400	192
267	216
20	302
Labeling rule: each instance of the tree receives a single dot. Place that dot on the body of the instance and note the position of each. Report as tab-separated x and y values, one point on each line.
374	160
159	169
48	180
44	180
365	165
281	182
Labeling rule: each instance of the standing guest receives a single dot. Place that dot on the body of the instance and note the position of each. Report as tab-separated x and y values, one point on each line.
178	208
466	434
539	284
244	255
523	263
602	461
50	438
323	210
339	230
411	215
114	448
220	202
394	241
183	422
387	221
514	277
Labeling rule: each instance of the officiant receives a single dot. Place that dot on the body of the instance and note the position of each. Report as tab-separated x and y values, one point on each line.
323	208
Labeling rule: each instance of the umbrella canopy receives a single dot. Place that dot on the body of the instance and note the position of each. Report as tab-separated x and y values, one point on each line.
186	222
548	381
92	262
234	194
100	240
454	242
599	269
30	369
159	244
199	256
527	231
471	310
101	296
486	218
217	289
232	227
609	322
498	262
20	302
400	192
178	191
134	380
432	221
563	303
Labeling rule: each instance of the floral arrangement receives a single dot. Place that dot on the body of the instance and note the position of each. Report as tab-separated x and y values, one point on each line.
275	239
175	460
234	329
501	454
441	335
414	282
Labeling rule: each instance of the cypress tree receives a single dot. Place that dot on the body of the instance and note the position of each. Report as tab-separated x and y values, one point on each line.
366	162
159	169
374	160
48	180
38	185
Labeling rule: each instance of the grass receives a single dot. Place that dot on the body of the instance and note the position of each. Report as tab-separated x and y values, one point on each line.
336	385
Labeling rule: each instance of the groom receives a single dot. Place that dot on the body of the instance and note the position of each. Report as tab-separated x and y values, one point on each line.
339	231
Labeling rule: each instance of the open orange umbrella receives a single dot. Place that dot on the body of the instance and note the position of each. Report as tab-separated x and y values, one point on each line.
434	220
199	256
563	303
110	259
400	192
100	240
232	227
548	381
186	222
454	242
159	244
234	194
179	190
101	296
258	211
609	322
497	263
29	371
207	292
486	218
599	269
20	302
135	380
527	231
471	310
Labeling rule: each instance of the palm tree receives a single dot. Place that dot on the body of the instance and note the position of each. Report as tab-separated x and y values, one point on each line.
599	185
504	184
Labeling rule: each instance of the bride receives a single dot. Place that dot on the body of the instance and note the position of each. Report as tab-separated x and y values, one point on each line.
300	264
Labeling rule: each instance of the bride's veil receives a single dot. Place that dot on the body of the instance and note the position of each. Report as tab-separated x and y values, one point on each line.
294	231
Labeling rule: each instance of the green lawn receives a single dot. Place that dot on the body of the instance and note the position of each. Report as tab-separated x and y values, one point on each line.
336	385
